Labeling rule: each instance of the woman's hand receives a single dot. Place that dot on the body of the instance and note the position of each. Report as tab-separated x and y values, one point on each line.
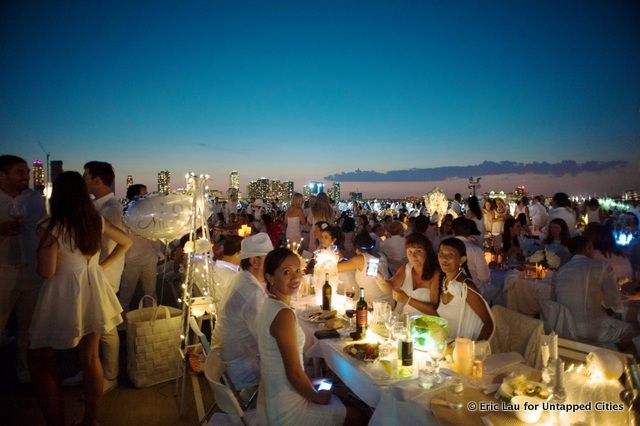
322	397
399	296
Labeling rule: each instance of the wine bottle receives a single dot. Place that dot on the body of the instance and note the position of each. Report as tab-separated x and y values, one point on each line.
361	314
326	294
406	351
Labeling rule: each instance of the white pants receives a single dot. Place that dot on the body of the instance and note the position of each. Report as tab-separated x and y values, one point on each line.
133	273
19	288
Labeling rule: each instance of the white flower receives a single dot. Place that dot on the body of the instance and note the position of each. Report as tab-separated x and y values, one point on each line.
553	261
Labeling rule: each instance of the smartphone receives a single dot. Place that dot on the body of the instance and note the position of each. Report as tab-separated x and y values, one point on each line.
372	267
324	385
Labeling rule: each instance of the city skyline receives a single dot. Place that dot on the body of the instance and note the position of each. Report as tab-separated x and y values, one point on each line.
303	91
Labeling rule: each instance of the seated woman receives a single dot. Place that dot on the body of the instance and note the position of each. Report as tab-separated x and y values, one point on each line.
558	239
348	228
286	394
415	286
365	252
488	212
331	237
463	307
474	212
511	241
605	249
499	217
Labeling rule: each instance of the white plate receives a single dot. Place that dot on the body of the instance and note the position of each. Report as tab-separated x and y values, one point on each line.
506	390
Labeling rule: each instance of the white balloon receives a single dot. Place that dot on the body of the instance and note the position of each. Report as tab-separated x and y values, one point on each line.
160	216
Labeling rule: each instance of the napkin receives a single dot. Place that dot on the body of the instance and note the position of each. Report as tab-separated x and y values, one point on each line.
497	363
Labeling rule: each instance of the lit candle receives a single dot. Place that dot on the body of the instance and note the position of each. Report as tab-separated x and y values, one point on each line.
488	257
463	355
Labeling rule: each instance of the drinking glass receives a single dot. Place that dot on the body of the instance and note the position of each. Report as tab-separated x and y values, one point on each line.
350	292
437	354
389	320
427	375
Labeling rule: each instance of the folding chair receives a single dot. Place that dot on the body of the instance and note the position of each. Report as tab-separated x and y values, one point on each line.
225	398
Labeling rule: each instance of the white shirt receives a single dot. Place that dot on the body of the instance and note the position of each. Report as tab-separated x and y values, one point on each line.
565	214
478	267
20	250
236	330
584	287
538	215
111	209
456	207
223	273
393	248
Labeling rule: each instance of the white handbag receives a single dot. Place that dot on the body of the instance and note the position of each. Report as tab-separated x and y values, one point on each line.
153	342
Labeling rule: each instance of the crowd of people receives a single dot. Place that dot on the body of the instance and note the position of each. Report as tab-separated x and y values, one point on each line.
71	268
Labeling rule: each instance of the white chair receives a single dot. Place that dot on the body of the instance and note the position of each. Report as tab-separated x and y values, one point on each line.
225	398
578	351
515	332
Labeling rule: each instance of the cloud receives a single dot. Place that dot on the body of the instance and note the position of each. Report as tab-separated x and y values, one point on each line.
486	168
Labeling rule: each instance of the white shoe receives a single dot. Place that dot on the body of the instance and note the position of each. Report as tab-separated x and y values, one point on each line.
109	385
73	380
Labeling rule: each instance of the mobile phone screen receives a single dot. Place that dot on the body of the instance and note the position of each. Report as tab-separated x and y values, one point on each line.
372	267
324	385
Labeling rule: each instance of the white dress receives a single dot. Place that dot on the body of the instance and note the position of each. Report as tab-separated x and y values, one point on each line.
294	232
421	294
278	402
77	300
462	320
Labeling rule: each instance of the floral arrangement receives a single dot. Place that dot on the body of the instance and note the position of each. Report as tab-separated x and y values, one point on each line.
546	258
436	201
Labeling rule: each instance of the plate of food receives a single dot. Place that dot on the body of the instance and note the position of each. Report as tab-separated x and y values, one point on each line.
367	352
318	316
519	385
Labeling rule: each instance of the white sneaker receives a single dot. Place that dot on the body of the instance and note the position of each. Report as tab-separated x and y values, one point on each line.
109	385
73	380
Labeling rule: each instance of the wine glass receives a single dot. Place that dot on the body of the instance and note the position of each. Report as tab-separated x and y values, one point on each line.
350	292
437	354
390	319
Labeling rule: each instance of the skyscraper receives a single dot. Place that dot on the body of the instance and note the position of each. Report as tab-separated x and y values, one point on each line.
164	181
288	190
334	192
56	169
129	180
252	189
234	180
38	176
313	188
263	188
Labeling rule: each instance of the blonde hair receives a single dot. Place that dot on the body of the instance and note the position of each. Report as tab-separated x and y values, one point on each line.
297	200
322	209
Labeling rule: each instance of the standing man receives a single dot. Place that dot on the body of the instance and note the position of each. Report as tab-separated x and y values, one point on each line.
456	204
20	210
99	176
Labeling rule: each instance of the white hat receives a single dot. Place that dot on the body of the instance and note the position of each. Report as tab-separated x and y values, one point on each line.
255	245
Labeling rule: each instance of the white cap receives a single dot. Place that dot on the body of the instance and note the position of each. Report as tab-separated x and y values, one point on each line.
255	245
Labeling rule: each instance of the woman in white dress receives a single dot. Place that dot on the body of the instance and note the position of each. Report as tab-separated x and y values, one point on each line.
466	312
415	286
287	396
320	211
474	212
294	219
365	252
76	303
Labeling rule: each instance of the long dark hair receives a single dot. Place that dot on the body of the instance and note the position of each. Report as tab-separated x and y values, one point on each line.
273	261
430	265
474	207
565	237
458	245
508	240
73	212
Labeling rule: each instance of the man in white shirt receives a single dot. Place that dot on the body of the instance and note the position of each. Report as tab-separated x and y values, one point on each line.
538	213
585	287
140	262
393	247
235	331
478	267
231	207
562	210
227	267
100	177
20	210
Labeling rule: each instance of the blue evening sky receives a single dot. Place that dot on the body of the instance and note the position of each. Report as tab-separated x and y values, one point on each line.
303	89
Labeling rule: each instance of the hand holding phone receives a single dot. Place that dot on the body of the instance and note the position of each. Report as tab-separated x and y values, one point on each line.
372	267
323	385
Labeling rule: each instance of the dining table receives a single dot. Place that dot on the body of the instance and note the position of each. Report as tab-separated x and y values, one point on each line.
404	401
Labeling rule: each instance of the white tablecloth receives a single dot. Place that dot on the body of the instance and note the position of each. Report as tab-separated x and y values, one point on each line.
524	295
